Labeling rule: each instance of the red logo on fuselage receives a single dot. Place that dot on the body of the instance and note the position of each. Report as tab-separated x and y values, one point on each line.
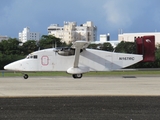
44	60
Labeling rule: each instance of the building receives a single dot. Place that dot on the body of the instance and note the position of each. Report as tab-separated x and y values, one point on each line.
131	36
105	37
70	32
3	38
26	35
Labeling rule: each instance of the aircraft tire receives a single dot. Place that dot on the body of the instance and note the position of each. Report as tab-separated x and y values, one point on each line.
25	76
74	75
77	75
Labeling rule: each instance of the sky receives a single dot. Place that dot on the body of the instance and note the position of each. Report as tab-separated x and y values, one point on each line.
110	16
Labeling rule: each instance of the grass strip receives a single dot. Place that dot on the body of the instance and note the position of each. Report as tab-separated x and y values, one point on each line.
105	73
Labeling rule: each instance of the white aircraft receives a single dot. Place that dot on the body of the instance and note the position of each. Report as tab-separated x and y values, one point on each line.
76	60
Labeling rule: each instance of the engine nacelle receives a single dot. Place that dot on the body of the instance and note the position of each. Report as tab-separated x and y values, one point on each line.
66	51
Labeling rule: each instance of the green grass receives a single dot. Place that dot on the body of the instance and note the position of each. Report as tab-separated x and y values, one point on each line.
113	73
12	74
122	73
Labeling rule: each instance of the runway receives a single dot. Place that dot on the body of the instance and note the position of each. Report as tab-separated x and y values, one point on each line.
89	98
87	86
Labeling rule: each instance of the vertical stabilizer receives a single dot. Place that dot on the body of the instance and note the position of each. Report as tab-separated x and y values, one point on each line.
146	46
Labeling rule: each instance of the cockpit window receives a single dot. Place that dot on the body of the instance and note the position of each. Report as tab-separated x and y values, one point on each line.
35	56
32	57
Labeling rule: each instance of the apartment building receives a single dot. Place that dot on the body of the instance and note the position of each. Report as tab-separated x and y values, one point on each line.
130	37
70	32
3	38
26	35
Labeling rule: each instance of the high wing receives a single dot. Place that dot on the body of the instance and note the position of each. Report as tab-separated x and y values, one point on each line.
78	46
75	70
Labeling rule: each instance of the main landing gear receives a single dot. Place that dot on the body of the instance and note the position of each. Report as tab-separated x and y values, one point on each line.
74	76
77	75
25	76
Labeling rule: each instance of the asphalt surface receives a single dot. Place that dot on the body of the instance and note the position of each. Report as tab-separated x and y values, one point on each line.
81	108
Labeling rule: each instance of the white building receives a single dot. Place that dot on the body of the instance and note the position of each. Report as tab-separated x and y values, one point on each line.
131	36
104	37
71	32
26	35
3	38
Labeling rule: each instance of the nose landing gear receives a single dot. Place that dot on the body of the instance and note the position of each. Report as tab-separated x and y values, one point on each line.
25	76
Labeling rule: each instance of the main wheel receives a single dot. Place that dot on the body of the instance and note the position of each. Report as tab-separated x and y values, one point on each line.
25	76
77	75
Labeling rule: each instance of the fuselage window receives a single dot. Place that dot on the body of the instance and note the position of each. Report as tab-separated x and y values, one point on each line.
32	57
35	56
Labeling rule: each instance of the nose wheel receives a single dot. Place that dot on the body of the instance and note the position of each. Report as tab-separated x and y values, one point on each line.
77	75
25	76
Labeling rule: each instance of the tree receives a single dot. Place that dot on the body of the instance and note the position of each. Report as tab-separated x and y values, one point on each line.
126	47
107	47
6	59
10	46
157	56
9	51
49	41
93	46
29	47
1	47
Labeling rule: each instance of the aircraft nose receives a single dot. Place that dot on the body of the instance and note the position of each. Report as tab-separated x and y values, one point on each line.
7	67
12	66
15	66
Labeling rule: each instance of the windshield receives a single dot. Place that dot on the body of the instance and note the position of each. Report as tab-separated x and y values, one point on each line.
32	56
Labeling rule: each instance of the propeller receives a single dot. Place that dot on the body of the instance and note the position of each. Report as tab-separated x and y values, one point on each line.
55	51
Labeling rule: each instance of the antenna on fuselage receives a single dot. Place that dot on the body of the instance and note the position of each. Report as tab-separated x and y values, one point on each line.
55	46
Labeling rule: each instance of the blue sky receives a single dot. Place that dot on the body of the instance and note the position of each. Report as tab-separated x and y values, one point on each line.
108	15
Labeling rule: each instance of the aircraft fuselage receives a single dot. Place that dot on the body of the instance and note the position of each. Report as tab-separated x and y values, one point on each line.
89	60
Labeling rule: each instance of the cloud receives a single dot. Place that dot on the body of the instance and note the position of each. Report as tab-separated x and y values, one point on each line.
107	15
24	13
123	13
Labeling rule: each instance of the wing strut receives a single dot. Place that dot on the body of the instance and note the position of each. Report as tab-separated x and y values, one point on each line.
78	45
76	59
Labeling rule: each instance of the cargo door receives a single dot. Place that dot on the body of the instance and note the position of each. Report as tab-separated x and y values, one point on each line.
46	63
